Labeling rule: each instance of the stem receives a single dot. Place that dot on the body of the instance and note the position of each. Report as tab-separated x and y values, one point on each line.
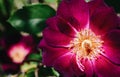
36	73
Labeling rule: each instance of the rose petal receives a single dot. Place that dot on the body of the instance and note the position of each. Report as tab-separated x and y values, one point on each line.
88	67
112	46
63	65
51	54
79	17
59	24
52	23
96	5
102	17
65	27
104	68
56	38
75	68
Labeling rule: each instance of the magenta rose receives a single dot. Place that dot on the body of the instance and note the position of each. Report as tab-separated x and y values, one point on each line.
14	54
83	40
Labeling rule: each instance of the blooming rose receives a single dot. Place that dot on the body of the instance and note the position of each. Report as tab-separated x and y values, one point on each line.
83	40
13	55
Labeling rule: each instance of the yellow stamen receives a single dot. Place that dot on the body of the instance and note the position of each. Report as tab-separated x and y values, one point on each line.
87	44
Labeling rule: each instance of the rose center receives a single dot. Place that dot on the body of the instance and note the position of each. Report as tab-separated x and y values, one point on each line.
18	53
87	44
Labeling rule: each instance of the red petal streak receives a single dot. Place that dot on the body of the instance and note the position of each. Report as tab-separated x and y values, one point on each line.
104	68
56	38
59	24
51	54
65	27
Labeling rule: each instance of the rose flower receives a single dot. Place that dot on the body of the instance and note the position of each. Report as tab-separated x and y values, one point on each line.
83	40
15	52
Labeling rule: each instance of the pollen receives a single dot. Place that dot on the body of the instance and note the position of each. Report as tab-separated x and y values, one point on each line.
87	44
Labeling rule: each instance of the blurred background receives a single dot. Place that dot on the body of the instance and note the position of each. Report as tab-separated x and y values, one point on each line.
21	26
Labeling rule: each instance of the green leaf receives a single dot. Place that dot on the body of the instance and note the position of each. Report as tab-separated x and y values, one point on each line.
1	71
47	71
2	8
35	56
59	1
28	66
30	73
5	9
55	72
51	1
31	18
1	48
